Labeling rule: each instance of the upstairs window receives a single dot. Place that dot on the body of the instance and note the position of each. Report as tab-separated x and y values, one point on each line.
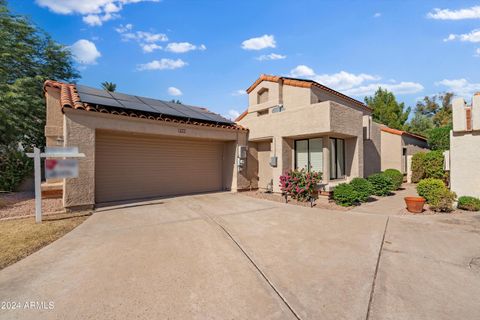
262	96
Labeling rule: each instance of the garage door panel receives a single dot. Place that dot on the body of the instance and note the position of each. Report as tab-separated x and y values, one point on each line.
135	167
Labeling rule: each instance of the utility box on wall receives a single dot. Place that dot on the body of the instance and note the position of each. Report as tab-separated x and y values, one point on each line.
273	161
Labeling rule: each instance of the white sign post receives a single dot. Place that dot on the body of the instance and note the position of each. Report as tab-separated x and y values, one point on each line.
56	169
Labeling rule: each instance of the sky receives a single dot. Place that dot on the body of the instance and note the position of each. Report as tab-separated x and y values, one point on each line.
206	53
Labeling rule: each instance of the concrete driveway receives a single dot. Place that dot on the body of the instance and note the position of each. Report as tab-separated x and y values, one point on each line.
228	256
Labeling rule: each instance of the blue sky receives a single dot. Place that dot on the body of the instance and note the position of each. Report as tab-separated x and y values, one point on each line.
207	53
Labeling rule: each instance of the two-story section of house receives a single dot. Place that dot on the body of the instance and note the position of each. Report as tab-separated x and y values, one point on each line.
295	124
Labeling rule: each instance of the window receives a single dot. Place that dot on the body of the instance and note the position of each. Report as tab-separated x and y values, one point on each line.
262	112
262	96
405	160
337	158
309	154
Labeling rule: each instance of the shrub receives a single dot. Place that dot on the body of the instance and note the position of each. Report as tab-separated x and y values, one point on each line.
345	195
418	167
428	188
396	176
363	187
382	184
427	165
443	201
300	185
469	203
437	194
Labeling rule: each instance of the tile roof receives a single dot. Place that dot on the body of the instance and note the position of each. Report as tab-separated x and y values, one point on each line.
70	98
304	83
401	132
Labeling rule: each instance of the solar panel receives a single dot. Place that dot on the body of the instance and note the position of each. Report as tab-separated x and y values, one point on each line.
87	90
162	107
94	99
131	102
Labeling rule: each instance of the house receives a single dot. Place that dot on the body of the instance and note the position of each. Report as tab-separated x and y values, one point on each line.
395	142
138	147
464	147
301	124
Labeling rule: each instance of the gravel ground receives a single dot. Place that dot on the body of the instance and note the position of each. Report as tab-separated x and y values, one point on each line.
18	204
320	204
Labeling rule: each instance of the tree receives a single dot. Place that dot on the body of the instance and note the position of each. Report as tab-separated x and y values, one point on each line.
387	110
109	86
419	124
439	138
28	57
438	108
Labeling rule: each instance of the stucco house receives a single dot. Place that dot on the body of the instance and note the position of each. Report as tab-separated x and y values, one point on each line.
138	147
464	147
296	123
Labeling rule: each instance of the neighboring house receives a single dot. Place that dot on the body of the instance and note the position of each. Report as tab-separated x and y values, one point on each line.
296	123
397	142
465	148
139	147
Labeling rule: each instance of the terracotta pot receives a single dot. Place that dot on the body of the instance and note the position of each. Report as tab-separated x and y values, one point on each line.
415	204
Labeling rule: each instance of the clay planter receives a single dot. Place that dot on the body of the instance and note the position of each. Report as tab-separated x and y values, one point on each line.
415	204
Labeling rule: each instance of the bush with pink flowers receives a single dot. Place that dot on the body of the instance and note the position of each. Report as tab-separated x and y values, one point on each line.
300	184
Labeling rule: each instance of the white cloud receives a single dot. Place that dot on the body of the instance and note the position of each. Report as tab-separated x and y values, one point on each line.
302	71
174	91
461	87
148	41
355	84
259	43
448	14
182	47
94	12
271	56
151	47
239	92
377	15
162	64
232	114
472	36
85	52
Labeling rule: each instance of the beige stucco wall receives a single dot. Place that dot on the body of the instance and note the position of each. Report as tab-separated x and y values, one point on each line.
302	119
391	151
79	130
372	151
464	149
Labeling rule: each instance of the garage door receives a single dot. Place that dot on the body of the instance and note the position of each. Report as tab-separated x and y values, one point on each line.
141	166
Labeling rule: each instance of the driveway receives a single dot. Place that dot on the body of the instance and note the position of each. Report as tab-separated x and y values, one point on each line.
228	256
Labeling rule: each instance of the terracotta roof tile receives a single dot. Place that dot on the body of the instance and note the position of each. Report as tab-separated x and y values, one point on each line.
69	98
400	133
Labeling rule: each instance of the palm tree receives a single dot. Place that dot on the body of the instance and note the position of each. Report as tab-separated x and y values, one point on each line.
109	86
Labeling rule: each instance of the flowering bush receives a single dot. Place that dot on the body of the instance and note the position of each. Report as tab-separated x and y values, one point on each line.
300	185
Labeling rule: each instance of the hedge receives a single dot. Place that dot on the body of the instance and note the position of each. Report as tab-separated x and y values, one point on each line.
427	165
469	203
396	176
382	184
363	187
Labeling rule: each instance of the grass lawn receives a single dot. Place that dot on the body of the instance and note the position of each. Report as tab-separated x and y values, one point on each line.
22	237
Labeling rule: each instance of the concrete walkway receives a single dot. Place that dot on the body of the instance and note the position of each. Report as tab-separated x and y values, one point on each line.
227	256
390	205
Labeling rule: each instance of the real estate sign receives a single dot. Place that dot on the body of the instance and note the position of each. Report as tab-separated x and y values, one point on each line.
61	168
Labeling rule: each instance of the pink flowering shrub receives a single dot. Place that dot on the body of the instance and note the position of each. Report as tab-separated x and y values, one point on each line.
300	185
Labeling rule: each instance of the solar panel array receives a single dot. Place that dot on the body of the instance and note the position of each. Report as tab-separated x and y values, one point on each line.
131	102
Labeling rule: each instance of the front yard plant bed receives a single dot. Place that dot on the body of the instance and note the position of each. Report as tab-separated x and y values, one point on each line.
318	203
22	237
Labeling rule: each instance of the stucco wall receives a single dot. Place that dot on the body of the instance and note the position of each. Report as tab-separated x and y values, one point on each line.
79	131
465	163
372	151
391	151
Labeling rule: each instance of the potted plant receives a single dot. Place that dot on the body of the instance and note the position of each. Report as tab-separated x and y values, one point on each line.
415	204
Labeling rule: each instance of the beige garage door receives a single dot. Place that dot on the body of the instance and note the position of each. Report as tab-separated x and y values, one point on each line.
141	166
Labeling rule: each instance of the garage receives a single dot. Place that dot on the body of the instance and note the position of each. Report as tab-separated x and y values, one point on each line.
138	148
136	166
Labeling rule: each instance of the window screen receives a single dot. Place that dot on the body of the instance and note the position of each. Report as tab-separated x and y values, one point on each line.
316	154
301	154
